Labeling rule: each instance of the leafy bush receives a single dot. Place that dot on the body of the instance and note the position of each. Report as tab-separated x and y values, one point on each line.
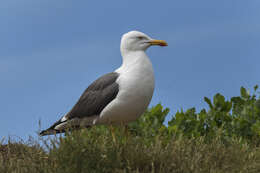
239	117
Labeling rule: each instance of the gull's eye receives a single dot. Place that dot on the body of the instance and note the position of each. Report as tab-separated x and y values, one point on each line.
141	37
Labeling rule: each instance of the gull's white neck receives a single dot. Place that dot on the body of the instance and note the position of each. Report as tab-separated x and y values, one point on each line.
137	60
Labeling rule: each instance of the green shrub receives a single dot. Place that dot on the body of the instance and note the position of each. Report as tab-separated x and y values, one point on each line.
239	117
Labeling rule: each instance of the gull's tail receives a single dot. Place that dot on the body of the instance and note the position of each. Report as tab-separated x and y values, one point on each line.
63	126
54	129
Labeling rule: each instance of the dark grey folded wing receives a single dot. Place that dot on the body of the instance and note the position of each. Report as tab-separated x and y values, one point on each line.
96	97
91	103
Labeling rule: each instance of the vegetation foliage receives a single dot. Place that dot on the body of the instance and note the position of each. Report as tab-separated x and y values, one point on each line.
223	138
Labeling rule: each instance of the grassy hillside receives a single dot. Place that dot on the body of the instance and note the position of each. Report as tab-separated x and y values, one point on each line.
224	138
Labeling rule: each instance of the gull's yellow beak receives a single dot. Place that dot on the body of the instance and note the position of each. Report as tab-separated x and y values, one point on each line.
158	42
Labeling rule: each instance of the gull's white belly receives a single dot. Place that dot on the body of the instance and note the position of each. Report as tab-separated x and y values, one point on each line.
136	86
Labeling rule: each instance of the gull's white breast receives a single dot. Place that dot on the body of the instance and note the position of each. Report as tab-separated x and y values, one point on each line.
136	86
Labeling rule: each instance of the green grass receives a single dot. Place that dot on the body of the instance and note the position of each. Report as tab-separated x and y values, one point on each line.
223	139
95	151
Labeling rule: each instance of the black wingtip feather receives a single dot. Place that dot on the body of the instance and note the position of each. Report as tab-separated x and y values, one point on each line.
53	131
50	132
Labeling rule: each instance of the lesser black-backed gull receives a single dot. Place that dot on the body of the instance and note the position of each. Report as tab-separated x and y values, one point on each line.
118	97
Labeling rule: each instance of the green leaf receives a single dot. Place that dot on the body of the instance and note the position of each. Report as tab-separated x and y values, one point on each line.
228	106
207	100
219	100
256	87
244	93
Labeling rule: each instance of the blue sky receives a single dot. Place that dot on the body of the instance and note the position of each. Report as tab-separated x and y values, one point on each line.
50	51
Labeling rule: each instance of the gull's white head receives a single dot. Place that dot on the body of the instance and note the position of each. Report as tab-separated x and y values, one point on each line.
138	41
